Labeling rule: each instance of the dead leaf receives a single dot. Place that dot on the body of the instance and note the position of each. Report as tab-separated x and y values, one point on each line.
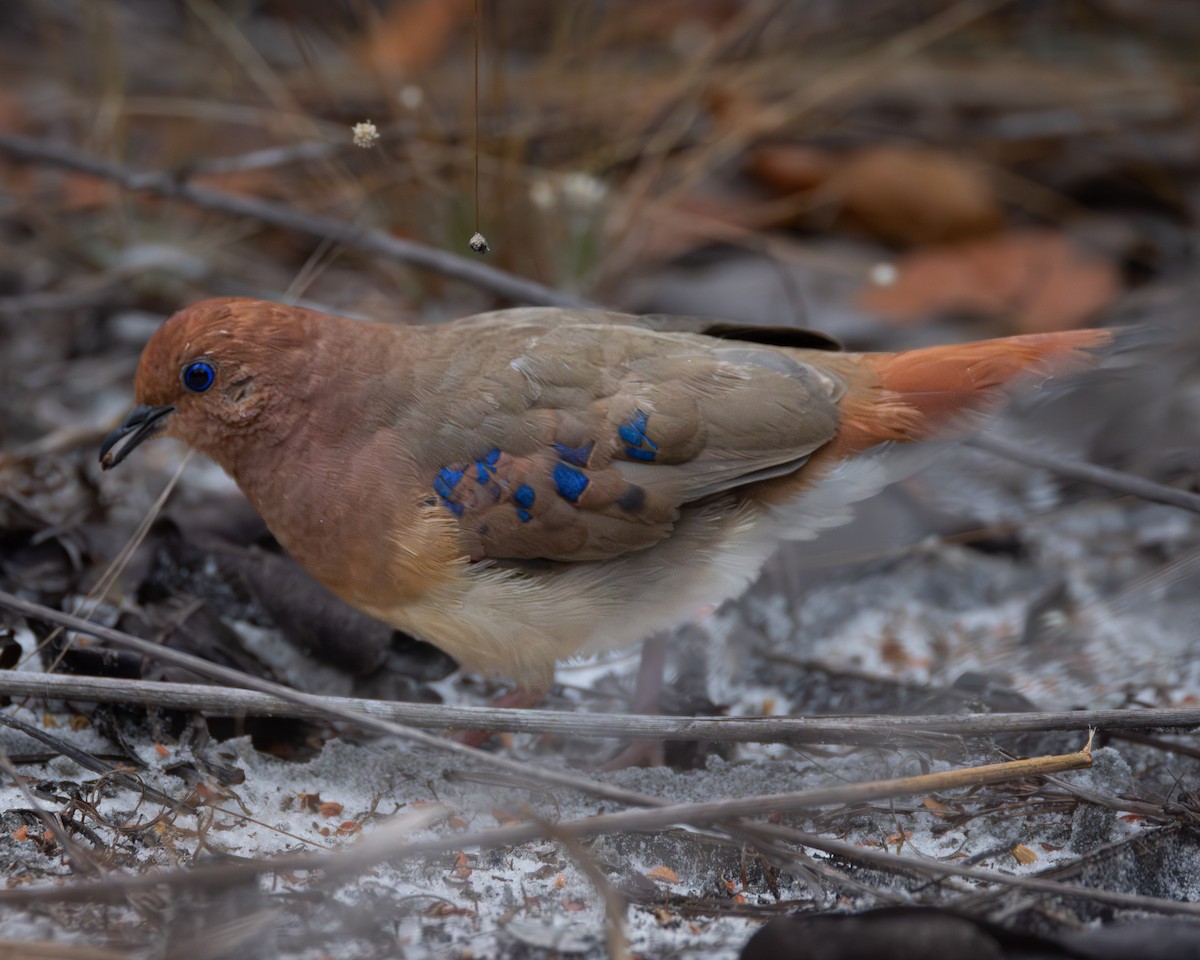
462	867
1023	854
442	909
330	808
892	651
1039	279
663	873
790	168
573	906
309	801
936	807
898	193
560	881
413	35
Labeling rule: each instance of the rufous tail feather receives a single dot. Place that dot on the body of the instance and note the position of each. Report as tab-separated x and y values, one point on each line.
928	393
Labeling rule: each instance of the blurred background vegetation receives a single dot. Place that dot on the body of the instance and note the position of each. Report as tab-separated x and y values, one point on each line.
857	166
893	172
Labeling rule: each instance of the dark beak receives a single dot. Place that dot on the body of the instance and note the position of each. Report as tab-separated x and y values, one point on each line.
142	423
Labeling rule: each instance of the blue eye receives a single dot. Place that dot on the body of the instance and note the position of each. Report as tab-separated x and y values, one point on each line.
198	376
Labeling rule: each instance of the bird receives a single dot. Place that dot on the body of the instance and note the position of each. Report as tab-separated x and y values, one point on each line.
527	485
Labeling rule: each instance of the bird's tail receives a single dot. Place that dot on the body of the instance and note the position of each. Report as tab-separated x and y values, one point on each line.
930	393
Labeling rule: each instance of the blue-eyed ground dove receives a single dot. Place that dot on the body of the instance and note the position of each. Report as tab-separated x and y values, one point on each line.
521	486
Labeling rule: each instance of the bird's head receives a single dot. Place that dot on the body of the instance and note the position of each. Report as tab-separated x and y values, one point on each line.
209	374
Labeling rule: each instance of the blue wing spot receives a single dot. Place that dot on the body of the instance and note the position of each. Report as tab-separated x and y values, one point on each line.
576	455
569	481
629	433
481	472
491	457
446	480
640	446
443	484
524	515
633	499
524	495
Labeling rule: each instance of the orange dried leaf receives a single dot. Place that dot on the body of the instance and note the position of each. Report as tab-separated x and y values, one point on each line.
790	168
1023	854
936	807
161	750
893	652
663	873
411	36
1038	278
573	905
560	881
898	193
330	808
309	801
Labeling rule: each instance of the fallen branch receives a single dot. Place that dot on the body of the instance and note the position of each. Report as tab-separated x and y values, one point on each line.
1115	480
205	668
874	730
328	228
370	853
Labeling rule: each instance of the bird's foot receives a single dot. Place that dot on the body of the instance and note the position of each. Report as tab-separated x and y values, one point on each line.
517	699
640	753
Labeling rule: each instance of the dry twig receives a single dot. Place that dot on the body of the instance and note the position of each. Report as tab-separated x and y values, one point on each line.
1114	480
658	817
869	730
371	241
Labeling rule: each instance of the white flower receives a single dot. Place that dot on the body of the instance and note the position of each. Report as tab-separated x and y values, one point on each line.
582	190
541	194
365	134
411	96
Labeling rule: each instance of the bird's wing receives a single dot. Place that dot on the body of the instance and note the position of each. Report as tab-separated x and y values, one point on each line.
571	439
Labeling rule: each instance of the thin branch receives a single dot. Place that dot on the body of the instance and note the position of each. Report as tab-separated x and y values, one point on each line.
371	241
1115	480
869	730
54	301
530	772
371	853
80	859
266	158
937	868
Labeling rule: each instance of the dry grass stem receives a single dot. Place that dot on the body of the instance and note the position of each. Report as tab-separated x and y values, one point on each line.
866	730
360	238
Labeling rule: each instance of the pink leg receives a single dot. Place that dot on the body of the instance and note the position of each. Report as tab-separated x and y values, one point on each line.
651	675
516	699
